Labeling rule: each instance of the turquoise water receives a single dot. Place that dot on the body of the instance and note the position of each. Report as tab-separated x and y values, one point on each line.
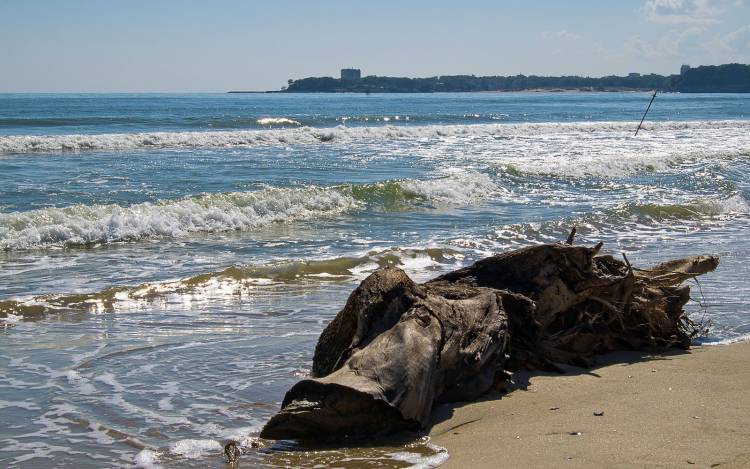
167	261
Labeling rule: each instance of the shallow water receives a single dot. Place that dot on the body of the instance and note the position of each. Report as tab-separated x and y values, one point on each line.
168	261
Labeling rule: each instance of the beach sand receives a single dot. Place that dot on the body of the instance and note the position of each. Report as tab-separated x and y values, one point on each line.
681	409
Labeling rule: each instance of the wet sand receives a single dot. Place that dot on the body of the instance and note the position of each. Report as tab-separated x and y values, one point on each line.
682	409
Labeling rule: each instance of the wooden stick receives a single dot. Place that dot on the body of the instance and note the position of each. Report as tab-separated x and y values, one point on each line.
571	236
644	114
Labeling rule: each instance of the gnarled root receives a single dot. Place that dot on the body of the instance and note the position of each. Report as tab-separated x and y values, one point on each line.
398	347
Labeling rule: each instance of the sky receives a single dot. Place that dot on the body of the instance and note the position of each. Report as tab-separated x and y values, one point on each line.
221	45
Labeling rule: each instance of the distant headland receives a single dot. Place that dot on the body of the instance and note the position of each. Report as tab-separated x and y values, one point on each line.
727	78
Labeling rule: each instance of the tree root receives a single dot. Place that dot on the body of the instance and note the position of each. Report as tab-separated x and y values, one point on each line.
397	348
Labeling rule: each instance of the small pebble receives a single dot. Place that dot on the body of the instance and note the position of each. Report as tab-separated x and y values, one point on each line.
690	462
575	433
598	413
554	408
696	417
653	371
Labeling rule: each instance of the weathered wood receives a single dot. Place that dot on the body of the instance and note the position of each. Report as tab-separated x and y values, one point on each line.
397	348
374	307
439	350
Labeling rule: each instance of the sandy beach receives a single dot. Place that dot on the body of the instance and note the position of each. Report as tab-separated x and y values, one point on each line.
682	409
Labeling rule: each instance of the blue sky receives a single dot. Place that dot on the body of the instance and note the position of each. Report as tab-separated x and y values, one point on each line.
100	46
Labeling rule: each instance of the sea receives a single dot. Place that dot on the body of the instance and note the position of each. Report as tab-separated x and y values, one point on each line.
167	261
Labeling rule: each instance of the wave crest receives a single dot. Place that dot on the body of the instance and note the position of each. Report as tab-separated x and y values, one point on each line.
87	225
625	220
277	121
82	225
454	188
309	135
696	210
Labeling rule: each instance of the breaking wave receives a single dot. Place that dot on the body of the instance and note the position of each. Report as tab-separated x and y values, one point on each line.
613	166
85	225
310	135
699	209
455	188
277	121
424	262
95	224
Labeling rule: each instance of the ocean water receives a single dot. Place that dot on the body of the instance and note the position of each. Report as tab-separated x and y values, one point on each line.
168	261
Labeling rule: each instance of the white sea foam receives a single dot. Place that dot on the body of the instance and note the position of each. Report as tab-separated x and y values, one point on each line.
37	450
732	205
460	187
612	158
82	385
11	318
147	459
109	379
695	209
309	135
728	340
99	434
194	448
277	121
81	225
19	404
165	403
99	224
419	461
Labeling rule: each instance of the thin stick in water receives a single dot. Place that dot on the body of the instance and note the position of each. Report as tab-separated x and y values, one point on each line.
644	114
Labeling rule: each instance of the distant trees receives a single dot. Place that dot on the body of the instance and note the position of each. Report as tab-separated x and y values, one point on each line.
729	78
316	84
733	78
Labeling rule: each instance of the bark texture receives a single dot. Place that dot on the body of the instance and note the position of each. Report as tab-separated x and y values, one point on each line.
397	348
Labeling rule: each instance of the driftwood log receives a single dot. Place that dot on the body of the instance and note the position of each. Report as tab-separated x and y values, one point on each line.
397	348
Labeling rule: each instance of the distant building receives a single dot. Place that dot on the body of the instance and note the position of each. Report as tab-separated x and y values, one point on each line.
684	69
350	74
634	75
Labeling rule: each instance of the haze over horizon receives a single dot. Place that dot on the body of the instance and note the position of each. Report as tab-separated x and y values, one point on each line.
87	46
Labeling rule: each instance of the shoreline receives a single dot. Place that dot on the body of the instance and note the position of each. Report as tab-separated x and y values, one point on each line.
527	90
680	409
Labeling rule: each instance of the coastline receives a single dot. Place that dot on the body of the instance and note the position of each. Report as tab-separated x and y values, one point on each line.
526	90
680	409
